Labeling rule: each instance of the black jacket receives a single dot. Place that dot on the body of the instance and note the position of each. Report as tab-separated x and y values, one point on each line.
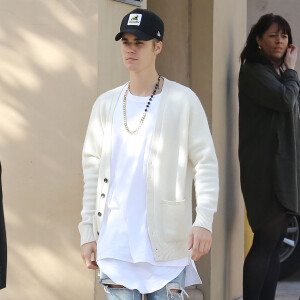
269	141
3	247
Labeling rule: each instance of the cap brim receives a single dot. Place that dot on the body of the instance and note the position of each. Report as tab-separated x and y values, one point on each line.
139	34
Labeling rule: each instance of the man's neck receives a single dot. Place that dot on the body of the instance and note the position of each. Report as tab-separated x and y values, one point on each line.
142	84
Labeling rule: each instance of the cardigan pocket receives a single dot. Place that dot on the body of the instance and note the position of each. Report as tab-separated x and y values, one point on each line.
173	221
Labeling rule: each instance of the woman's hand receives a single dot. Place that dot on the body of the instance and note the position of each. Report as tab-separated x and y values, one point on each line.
291	57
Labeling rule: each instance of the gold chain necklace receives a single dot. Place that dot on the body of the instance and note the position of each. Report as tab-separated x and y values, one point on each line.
145	111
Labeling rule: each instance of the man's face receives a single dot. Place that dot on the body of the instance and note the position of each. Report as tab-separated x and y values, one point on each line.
139	55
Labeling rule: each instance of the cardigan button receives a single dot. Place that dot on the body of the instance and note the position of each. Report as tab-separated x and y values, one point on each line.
105	180
99	214
102	195
98	232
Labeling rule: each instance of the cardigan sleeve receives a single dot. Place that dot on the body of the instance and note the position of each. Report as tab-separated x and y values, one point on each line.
91	156
204	160
260	83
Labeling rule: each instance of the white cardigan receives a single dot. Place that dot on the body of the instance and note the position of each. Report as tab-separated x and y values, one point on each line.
182	148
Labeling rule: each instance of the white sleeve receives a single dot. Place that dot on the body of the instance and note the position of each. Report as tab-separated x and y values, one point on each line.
203	157
91	156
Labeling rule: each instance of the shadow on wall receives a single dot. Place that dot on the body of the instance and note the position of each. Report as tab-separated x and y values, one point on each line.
231	183
48	78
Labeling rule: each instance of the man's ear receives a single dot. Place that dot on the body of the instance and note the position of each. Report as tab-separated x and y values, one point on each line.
158	47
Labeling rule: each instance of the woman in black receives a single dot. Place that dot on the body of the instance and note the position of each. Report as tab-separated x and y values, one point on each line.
269	148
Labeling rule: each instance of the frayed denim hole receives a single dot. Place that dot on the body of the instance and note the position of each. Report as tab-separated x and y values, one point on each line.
108	289
176	286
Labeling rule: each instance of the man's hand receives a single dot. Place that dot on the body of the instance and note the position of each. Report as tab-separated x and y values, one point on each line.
200	240
87	251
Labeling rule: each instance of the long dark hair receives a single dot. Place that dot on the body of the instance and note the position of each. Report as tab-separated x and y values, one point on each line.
251	52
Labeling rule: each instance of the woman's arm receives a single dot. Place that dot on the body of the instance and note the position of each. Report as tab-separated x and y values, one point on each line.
260	83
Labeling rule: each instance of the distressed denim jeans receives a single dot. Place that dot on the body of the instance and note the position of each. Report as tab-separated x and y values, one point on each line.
165	293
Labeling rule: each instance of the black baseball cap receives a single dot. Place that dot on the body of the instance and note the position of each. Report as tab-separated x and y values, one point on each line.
144	24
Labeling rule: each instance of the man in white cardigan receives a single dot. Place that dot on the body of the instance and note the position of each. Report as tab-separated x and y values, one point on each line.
146	141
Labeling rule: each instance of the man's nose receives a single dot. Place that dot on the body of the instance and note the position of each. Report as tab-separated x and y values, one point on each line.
130	49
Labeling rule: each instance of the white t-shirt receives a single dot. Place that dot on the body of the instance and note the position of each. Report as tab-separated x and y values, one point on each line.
124	250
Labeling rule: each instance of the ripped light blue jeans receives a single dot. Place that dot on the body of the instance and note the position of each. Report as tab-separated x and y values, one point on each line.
165	293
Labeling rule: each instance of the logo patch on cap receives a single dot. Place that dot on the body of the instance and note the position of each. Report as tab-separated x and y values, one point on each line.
135	19
158	34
